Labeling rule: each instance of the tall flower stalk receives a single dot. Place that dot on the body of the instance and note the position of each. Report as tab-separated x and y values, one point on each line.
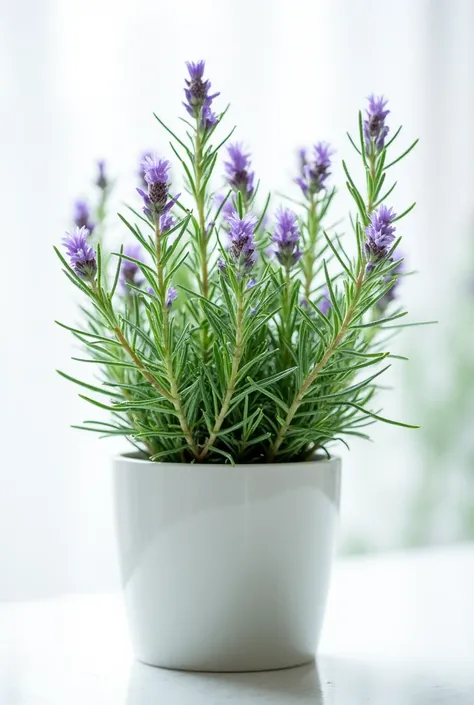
238	173
198	105
241	262
286	240
375	133
86	264
200	203
158	205
379	234
166	298
315	170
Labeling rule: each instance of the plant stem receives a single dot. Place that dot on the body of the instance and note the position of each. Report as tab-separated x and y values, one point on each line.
112	321
132	354
312	376
310	253
286	299
200	203
285	317
237	357
370	201
174	395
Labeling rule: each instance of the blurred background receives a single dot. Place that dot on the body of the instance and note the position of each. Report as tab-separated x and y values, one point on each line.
79	80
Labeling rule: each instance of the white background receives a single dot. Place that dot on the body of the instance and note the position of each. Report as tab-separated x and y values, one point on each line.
79	80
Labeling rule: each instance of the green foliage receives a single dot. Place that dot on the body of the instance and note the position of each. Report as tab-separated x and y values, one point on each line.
235	372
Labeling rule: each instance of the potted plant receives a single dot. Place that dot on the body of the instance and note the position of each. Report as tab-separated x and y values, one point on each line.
233	351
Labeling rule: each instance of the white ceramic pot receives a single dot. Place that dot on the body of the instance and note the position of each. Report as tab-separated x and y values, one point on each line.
226	568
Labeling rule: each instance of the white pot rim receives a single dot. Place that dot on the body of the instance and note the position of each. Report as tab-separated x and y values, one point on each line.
321	460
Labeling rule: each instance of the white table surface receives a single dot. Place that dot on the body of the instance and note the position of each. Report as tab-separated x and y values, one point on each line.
399	631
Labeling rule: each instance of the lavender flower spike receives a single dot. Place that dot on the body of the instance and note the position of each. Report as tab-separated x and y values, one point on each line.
130	271
375	129
238	173
286	238
197	95
81	255
380	234
141	170
316	169
171	295
82	215
155	174
155	170
242	244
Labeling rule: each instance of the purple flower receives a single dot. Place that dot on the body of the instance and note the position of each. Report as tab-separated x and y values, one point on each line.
302	162
238	173
315	170
102	181
155	170
155	174
242	245
198	100
375	129
325	303
286	238
141	169
380	234
208	119
167	223
302	159
82	215
391	294
251	283
171	295
302	184
130	271
81	255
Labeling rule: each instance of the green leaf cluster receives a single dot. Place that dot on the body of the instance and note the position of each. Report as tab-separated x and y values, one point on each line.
240	369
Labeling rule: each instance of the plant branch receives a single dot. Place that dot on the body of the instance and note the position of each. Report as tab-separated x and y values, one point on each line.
236	359
310	251
174	395
372	170
285	318
312	376
132	354
200	203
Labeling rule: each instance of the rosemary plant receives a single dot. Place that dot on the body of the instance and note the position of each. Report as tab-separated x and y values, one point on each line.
219	334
